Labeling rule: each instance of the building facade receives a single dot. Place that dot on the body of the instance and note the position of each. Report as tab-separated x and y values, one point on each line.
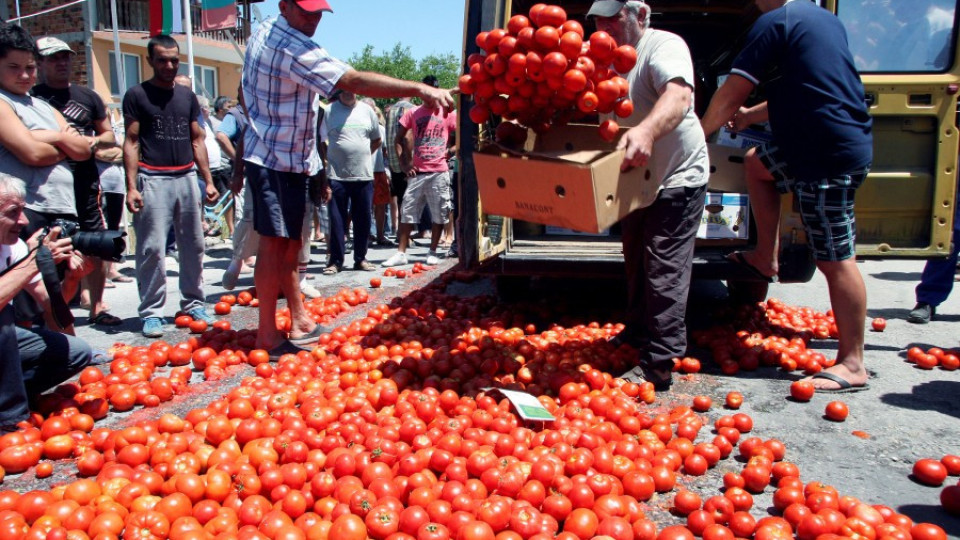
87	26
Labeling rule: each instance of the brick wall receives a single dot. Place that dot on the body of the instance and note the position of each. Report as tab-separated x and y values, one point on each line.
64	22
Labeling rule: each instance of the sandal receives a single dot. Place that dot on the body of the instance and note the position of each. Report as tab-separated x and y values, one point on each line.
120	278
330	270
109	284
105	319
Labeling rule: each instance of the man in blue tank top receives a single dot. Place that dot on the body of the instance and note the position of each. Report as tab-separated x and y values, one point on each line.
821	150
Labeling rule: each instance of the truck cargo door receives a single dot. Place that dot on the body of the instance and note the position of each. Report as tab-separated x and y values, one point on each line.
906	53
483	236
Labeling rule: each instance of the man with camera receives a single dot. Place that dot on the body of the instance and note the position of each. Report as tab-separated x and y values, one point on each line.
34	359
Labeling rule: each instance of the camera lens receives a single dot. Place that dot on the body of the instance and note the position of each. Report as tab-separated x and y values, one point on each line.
106	245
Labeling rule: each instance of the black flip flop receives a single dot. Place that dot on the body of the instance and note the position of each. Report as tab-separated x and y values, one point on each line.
310	338
739	259
845	386
285	347
106	319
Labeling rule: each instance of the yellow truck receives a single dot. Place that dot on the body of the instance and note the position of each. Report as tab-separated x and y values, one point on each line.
907	56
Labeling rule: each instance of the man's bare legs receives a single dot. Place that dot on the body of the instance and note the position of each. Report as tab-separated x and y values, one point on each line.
95	282
403	236
436	231
765	206
848	298
271	279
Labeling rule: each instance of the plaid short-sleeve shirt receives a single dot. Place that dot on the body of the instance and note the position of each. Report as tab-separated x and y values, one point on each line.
283	72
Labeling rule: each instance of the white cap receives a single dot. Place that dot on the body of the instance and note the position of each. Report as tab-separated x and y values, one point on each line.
51	45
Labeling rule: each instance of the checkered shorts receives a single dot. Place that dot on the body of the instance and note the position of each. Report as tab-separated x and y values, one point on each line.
826	205
430	189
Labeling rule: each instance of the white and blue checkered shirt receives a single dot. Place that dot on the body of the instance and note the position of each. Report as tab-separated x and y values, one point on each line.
282	74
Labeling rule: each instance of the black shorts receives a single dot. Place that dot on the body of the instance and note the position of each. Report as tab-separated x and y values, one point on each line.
86	189
279	201
826	205
398	185
221	179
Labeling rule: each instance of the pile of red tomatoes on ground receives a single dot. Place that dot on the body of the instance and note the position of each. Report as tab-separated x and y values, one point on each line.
385	431
542	69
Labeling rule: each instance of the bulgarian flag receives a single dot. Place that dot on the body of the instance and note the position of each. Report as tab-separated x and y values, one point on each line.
166	17
218	14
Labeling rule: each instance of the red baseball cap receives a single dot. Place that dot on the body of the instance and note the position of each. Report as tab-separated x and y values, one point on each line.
313	6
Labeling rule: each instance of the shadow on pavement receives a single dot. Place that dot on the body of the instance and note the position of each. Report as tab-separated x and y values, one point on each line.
939	396
897	276
932	514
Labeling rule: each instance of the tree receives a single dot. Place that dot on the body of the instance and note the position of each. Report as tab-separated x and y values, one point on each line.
400	63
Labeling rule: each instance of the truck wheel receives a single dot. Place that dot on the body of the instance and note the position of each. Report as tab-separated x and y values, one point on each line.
747	292
512	288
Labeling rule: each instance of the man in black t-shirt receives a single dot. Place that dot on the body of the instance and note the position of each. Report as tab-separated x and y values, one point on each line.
85	111
162	153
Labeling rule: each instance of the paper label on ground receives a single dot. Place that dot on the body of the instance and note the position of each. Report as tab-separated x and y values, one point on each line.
527	406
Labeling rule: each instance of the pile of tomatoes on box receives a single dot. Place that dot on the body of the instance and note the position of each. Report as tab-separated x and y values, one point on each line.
542	69
384	431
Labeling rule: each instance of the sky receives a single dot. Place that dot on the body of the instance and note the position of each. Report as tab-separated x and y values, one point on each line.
426	26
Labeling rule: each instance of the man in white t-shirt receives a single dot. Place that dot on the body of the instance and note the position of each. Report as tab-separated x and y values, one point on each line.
34	359
350	132
664	136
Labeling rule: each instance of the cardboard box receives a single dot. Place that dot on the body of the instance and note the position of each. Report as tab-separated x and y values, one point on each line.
725	216
553	230
571	178
742	139
726	168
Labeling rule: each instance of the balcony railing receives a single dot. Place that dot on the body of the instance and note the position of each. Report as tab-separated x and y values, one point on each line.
134	16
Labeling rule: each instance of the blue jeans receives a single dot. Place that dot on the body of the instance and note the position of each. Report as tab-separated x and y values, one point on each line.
936	282
359	196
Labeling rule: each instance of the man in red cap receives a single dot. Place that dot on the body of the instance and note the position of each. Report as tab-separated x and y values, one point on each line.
284	72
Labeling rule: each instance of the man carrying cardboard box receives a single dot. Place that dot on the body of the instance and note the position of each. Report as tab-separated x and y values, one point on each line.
665	137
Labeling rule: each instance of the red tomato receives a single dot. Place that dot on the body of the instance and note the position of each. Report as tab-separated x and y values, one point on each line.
950	500
837	411
348	527
802	390
551	16
929	471
375	282
221	308
183	321
879	324
927	531
198	327
734	400
702	403
609	129
675	532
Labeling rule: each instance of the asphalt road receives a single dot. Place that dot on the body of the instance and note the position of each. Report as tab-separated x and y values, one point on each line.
907	414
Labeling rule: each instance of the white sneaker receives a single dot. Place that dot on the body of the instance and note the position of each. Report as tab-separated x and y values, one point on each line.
309	290
397	259
432	258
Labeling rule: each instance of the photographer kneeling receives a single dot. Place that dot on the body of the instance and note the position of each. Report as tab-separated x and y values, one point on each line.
36	358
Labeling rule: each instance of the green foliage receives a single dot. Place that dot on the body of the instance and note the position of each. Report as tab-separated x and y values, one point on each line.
400	64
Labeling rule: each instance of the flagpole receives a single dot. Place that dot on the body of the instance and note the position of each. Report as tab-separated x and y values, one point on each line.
188	23
117	57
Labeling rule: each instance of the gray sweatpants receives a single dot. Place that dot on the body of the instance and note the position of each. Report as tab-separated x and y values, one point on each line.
166	200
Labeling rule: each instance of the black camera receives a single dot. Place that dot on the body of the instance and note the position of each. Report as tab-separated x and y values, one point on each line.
106	245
